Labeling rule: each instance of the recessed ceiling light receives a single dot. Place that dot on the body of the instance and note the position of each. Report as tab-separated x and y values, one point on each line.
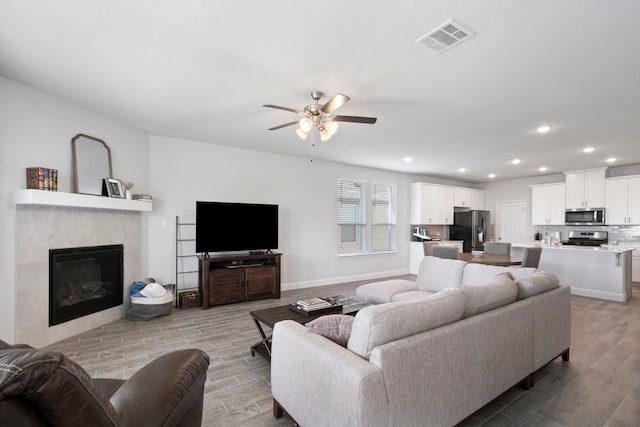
462	170
588	150
515	161
611	159
492	175
543	129
407	159
542	169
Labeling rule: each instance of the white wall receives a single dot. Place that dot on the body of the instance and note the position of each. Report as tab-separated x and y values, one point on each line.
36	130
185	171
516	189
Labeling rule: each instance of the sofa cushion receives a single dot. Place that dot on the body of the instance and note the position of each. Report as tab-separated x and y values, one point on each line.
336	327
381	292
380	324
536	283
436	274
479	274
500	291
410	296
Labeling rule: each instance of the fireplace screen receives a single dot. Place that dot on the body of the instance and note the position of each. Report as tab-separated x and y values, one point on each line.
84	281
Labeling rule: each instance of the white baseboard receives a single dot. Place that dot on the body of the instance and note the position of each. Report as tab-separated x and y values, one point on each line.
337	280
611	296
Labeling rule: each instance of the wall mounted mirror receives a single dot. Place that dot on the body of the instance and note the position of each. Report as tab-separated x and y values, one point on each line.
91	163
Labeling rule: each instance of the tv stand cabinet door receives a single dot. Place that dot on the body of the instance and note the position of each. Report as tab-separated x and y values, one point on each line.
260	282
226	285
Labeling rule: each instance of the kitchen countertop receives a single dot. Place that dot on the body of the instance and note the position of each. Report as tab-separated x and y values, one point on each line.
616	249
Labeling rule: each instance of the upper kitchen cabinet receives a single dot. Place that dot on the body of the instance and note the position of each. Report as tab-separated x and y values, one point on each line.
623	200
586	188
547	204
431	204
462	197
468	198
477	200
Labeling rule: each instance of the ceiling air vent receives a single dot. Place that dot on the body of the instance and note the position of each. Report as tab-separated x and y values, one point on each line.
446	36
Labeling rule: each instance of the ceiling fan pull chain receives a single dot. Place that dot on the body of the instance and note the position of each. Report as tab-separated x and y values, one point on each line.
313	145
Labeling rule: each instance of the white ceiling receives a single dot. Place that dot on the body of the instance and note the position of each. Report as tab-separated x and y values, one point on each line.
201	70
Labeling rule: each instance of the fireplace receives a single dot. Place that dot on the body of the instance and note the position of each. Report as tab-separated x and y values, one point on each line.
83	281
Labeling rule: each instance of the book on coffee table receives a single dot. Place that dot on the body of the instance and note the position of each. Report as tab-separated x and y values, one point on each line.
312	303
315	306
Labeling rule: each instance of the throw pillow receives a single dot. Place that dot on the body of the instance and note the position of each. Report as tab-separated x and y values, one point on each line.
336	327
536	283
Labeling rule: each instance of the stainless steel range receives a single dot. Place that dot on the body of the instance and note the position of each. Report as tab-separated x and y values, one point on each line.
587	238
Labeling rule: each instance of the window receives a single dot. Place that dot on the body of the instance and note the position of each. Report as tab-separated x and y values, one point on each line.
354	224
351	210
383	218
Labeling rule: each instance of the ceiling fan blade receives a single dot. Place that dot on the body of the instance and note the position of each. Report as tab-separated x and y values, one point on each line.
334	103
284	125
354	119
293	110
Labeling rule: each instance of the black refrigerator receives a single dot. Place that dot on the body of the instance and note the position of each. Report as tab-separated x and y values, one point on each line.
472	227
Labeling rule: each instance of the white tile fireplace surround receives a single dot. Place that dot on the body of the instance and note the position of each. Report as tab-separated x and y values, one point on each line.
40	228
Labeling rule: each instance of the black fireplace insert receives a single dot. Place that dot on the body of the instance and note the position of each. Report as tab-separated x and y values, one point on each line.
84	281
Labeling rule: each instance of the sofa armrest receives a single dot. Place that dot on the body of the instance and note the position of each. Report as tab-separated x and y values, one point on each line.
320	383
165	392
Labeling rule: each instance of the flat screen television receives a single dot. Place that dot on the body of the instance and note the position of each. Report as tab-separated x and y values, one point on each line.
229	227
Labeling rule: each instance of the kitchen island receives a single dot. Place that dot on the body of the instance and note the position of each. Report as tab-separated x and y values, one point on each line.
598	272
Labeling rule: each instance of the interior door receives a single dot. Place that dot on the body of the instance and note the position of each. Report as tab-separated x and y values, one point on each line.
510	221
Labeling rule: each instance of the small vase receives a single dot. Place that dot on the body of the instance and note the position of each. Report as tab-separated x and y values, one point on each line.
127	194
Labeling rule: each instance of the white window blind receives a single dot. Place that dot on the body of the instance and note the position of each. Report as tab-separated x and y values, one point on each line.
383	218
351	213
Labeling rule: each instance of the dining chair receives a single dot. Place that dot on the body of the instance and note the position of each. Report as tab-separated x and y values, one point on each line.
497	248
531	257
448	252
427	247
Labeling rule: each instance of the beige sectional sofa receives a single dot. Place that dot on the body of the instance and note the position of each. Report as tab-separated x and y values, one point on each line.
431	356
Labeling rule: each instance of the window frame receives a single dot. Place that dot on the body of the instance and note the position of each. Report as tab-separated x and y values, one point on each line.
391	224
364	226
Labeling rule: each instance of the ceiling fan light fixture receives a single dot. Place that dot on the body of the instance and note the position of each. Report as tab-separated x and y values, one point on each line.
320	116
302	134
332	127
325	134
305	124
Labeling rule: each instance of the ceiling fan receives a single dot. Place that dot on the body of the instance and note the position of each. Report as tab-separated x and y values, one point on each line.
319	116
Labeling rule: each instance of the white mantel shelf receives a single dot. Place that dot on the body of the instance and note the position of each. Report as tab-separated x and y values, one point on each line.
74	200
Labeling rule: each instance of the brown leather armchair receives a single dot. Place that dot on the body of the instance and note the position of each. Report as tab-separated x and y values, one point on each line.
45	388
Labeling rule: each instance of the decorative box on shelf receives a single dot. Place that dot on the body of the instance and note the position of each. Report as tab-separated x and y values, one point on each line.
189	299
39	178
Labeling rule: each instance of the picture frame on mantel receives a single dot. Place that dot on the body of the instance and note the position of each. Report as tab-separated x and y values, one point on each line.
112	187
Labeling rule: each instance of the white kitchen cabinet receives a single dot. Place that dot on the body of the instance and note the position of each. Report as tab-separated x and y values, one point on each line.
585	189
431	204
623	200
547	204
462	197
477	200
468	198
635	266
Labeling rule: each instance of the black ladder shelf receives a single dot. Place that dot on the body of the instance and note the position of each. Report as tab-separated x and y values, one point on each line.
186	257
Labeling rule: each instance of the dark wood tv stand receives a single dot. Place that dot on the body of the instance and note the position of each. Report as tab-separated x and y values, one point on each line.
235	278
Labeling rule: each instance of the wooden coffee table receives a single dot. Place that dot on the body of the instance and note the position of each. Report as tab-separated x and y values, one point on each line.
270	316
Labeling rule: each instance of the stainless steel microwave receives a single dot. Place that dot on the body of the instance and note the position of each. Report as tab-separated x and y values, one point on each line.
584	216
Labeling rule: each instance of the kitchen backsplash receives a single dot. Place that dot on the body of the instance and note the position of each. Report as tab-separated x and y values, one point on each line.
435	231
618	234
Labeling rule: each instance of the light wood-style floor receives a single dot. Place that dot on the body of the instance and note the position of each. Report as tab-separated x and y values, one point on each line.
600	386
